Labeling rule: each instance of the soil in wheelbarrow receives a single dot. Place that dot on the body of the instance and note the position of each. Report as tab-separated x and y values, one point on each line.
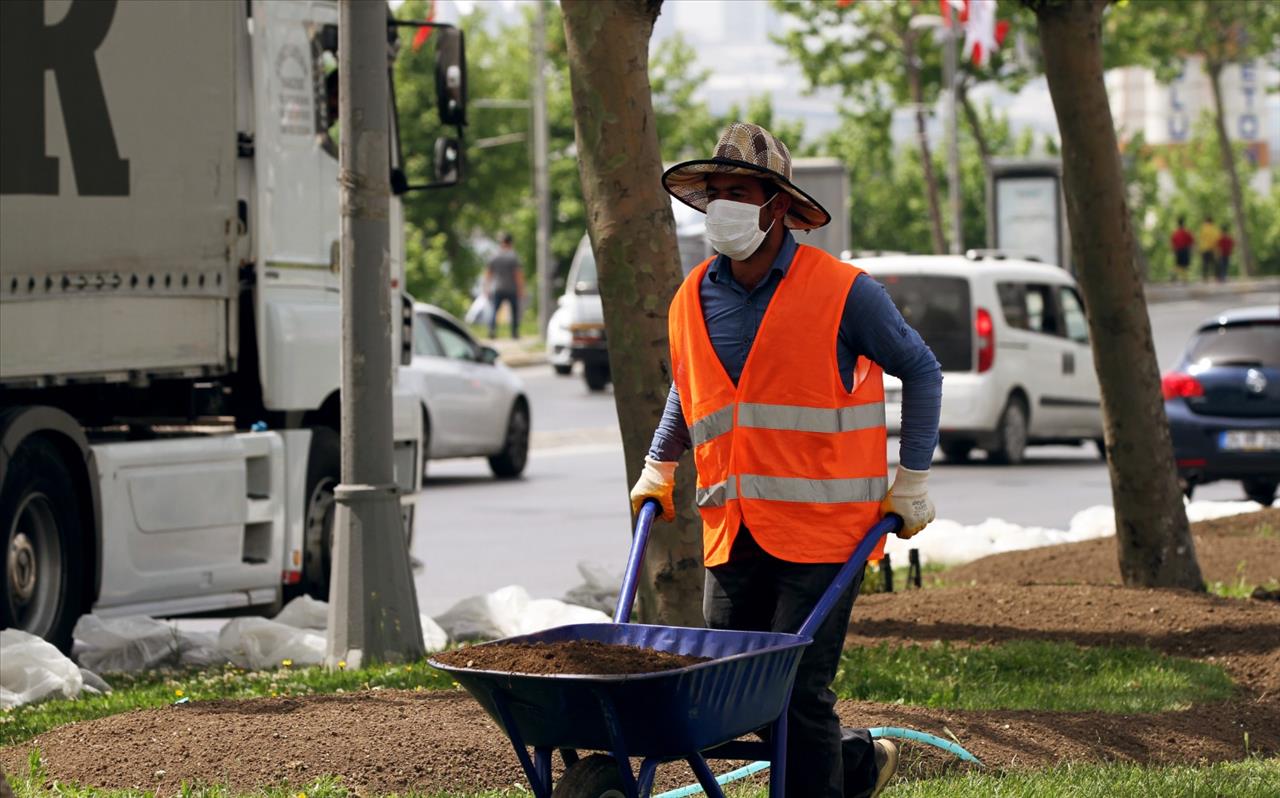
566	656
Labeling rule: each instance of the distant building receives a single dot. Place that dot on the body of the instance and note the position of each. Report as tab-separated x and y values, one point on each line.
1166	114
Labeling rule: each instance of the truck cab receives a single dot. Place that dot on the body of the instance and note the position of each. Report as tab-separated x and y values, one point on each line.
169	308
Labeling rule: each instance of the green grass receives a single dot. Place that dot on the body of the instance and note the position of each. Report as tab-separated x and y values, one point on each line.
160	688
1241	588
1251	778
930	576
1030	674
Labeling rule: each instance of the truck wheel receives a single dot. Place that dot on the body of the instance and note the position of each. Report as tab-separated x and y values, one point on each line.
596	776
324	472
597	375
44	568
510	462
1011	434
1262	491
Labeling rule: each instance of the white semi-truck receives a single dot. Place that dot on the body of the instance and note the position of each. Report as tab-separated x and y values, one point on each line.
169	307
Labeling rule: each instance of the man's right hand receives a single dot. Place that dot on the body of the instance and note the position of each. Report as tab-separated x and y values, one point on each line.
657	481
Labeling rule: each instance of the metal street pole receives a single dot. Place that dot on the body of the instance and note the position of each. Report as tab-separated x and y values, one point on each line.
373	610
949	70
541	181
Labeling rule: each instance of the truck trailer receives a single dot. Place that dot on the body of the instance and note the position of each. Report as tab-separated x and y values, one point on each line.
169	308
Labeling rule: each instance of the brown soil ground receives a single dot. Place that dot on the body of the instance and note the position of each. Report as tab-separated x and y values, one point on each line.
1241	548
382	741
389	741
570	656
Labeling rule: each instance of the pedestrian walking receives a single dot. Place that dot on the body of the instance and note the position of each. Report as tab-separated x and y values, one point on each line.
1181	242
504	283
786	420
1226	245
1208	243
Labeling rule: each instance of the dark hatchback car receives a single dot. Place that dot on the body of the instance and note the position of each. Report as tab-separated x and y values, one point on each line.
1223	403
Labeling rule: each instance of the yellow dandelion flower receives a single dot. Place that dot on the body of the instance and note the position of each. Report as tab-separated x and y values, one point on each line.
286	662
178	692
342	664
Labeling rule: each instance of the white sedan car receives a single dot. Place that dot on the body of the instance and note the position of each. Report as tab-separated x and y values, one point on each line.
472	404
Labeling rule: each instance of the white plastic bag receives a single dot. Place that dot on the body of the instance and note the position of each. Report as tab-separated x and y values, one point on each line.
125	645
304	612
433	636
481	310
599	589
32	669
257	643
509	611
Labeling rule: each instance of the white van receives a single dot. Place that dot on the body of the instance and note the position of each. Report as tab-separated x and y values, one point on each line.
575	331
1013	343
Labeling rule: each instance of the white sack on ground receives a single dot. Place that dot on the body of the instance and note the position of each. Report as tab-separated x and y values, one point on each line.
32	669
257	643
304	612
509	611
133	643
946	542
125	645
599	589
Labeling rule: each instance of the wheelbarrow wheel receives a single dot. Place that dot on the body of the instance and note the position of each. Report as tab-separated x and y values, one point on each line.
596	776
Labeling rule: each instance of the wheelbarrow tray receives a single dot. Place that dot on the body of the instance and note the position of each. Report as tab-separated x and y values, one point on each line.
743	687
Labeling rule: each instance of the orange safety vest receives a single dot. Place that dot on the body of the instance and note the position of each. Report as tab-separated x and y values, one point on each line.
787	451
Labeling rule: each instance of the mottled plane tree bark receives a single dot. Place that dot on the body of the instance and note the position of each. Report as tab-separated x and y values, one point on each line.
1154	539
633	235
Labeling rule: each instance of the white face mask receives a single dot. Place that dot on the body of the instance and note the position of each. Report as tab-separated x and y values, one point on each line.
733	228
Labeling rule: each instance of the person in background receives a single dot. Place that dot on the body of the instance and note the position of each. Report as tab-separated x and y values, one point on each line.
504	282
1181	242
1226	244
1208	241
776	354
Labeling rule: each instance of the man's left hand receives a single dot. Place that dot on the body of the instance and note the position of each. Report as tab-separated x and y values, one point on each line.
909	498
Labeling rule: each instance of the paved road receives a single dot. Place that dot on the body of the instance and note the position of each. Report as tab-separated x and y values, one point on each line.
474	534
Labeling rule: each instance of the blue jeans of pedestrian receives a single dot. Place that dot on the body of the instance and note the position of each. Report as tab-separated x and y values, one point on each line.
756	592
513	299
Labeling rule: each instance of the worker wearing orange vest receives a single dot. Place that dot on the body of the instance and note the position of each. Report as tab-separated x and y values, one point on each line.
787	425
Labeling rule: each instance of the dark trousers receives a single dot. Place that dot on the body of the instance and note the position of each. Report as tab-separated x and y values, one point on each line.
514	299
1208	265
756	592
1224	265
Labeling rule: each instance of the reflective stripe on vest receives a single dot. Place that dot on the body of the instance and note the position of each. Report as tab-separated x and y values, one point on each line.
788	417
795	489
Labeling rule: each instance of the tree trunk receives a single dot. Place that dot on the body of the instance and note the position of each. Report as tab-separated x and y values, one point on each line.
930	179
634	239
1247	265
1155	545
975	123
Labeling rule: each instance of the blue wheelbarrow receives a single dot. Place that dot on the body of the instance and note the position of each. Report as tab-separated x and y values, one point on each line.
689	714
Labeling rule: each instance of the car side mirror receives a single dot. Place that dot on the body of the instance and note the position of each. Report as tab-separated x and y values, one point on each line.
451	77
488	355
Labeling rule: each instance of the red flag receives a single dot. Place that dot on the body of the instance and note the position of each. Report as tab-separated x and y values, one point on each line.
844	3
424	33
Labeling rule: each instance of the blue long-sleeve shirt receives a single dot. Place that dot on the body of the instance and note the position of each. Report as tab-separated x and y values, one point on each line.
871	327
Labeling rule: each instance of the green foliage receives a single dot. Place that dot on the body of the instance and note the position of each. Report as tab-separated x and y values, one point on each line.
496	192
1028	674
1161	33
1195	186
162	688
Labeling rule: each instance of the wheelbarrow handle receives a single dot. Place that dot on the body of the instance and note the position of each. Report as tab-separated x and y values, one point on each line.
649	511
890	523
631	578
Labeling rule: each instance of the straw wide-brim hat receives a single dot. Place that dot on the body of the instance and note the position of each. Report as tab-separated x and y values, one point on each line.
746	149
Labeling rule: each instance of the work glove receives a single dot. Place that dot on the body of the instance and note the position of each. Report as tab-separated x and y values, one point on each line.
657	481
908	498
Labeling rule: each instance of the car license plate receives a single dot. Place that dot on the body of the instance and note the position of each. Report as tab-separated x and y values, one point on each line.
1250	440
